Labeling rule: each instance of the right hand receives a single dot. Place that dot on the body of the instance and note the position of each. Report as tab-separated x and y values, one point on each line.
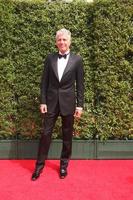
43	108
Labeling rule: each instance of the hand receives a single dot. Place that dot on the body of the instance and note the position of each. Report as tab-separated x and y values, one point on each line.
43	108
78	113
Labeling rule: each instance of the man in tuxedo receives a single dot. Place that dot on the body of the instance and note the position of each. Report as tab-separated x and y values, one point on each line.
62	89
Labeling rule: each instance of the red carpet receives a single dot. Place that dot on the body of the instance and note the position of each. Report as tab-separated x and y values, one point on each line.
87	180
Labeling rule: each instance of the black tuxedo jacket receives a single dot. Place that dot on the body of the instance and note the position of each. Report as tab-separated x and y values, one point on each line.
66	93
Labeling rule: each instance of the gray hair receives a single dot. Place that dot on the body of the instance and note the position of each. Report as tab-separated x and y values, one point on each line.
63	31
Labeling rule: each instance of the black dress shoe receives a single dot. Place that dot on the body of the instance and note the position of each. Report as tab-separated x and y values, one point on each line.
36	174
63	173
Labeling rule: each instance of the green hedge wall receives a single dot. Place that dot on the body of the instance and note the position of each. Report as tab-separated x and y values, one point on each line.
113	68
102	34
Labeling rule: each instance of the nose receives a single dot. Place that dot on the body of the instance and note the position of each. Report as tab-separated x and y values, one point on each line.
61	41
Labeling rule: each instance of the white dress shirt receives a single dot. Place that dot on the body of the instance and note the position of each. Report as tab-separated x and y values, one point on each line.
61	65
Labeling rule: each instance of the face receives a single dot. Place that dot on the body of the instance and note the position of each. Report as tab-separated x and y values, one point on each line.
63	43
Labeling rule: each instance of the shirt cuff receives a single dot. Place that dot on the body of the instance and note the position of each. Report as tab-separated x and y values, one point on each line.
79	108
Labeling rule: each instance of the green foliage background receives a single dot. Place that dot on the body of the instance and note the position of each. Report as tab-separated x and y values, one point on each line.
102	33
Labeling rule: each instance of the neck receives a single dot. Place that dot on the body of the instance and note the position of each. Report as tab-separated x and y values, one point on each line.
64	52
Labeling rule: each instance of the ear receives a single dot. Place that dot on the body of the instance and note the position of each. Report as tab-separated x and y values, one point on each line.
56	42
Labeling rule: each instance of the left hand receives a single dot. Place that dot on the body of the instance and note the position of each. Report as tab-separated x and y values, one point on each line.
78	113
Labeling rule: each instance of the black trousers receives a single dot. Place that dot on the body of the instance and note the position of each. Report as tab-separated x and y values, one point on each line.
45	140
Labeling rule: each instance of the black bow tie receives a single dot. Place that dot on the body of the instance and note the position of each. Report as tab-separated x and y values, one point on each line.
62	56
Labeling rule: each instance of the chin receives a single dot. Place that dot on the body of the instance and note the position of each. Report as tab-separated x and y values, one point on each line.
62	51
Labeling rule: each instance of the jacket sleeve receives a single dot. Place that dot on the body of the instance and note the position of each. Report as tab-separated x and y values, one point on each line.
44	83
80	83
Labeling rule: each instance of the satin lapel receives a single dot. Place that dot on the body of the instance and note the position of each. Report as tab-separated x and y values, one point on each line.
69	64
54	65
